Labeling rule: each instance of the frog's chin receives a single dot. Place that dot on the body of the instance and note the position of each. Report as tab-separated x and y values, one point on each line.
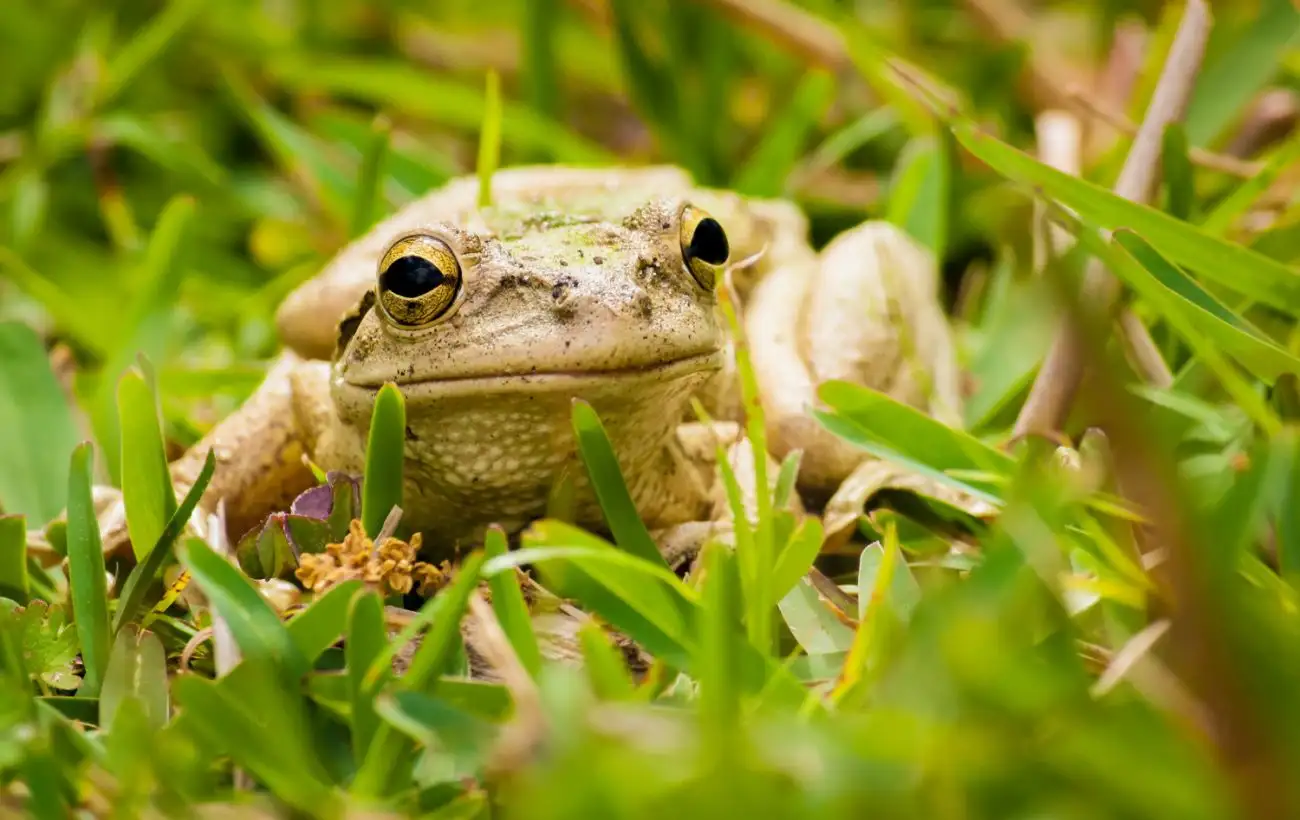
542	382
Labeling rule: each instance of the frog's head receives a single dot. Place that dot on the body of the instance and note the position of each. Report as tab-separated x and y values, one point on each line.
544	303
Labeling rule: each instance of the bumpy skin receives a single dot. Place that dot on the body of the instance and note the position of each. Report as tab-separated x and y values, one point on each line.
574	286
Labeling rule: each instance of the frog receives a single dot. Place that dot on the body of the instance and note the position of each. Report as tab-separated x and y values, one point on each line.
599	285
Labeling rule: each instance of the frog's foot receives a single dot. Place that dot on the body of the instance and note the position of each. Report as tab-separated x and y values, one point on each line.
700	443
866	310
872	477
258	450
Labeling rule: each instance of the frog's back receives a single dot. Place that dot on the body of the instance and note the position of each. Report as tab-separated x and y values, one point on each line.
308	318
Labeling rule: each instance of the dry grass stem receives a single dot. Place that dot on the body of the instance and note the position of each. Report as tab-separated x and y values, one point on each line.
1232	165
1058	380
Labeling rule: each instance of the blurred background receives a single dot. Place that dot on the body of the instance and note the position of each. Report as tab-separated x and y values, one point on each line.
169	170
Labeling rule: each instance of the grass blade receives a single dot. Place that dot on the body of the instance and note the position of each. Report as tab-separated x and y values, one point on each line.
1219	220
13	558
317	627
775	157
146	482
390	758
509	605
621	515
36	430
142	575
255	626
1180	187
1233	266
1232	78
370	182
920	198
366	640
489	141
87	579
606	670
385	458
137	669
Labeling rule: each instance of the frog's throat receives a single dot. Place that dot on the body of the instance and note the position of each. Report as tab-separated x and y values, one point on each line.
542	381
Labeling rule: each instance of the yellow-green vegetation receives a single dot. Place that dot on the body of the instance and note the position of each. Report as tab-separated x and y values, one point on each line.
1120	639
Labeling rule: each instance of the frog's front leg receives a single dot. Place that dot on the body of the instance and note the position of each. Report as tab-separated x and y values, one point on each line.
258	450
699	444
865	310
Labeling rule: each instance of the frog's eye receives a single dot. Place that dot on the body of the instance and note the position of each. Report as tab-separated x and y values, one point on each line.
704	245
419	278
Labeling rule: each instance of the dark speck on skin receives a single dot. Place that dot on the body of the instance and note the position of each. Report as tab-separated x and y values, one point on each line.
562	285
599	260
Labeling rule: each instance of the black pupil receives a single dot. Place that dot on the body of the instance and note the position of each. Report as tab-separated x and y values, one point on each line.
411	277
709	242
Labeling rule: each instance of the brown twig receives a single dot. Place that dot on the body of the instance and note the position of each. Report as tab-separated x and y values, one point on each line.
1058	380
1209	160
1269	119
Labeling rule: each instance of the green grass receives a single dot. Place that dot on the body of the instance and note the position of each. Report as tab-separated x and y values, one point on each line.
1120	640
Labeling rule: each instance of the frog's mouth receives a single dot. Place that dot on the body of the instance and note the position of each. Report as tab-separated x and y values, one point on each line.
539	380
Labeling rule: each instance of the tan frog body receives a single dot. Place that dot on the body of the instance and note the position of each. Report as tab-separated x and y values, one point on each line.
595	284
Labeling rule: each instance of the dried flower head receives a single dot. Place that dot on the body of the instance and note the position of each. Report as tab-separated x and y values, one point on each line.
392	567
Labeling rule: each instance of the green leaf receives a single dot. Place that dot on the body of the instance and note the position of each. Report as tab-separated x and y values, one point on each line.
36	430
47	642
251	716
717	664
413	91
389	757
770	164
797	556
253	623
618	588
143	574
1219	220
1203	313
1180	186
598	456
1232	78
137	669
904	593
1128	269
146	46
366	641
1233	266
316	628
385	458
14	582
437	725
902	434
812	622
86	572
646	601
604	665
541	18
158	277
146	482
489	141
369	197
920	192
509	605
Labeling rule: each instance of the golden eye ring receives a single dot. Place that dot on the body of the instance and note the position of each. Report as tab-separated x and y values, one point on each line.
705	248
419	280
